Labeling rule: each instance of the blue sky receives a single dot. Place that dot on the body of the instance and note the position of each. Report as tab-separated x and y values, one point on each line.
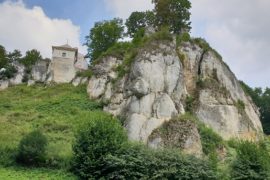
83	13
237	29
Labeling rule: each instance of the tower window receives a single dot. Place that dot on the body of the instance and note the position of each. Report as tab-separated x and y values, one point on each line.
64	54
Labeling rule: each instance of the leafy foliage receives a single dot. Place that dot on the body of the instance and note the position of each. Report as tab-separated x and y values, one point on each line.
102	136
87	73
240	105
211	141
31	58
6	62
31	150
252	162
138	162
139	20
103	36
173	13
202	43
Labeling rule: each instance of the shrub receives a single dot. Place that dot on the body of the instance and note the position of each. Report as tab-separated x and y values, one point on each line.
9	72
184	37
7	156
102	136
211	141
240	105
202	43
139	162
190	100
252	162
85	74
31	150
101	151
162	34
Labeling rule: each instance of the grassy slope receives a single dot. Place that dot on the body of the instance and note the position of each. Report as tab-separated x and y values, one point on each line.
57	110
33	174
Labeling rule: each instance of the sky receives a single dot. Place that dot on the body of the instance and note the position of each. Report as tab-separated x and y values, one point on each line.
237	29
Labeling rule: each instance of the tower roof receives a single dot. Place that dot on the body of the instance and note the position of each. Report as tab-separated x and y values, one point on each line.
65	47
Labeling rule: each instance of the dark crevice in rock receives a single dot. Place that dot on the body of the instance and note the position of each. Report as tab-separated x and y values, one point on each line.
200	63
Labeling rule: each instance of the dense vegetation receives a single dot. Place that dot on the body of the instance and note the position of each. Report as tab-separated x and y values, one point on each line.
8	61
173	15
103	152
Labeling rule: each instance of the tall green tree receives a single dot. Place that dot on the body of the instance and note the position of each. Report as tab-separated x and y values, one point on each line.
3	57
6	62
138	20
174	14
14	56
31	57
103	36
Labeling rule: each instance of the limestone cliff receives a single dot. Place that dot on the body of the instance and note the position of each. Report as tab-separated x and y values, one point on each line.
166	79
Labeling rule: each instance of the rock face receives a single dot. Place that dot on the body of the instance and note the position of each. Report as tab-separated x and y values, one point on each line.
39	70
177	133
161	78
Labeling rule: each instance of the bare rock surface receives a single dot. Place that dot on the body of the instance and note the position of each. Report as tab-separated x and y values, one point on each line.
155	89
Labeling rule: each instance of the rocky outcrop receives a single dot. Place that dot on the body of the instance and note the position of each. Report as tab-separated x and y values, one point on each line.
157	85
16	79
45	71
39	70
177	133
218	93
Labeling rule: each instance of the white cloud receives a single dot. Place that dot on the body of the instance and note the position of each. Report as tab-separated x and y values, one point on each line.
239	31
23	28
123	8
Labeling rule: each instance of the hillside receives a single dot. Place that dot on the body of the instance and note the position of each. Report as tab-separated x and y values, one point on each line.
57	110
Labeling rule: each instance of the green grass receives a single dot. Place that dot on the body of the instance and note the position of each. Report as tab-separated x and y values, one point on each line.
58	111
34	174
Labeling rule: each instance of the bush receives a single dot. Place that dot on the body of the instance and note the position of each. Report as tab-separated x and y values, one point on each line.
211	141
202	43
139	162
9	72
85	74
102	151
184	37
162	34
31	150
190	100
252	162
240	105
102	136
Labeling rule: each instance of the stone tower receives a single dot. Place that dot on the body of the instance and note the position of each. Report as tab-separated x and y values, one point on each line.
63	63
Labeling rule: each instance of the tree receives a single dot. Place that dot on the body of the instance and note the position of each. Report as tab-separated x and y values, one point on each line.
14	56
103	36
103	135
138	20
6	60
252	162
173	13
3	57
31	58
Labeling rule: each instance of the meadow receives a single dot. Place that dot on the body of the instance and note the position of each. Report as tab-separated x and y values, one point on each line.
58	111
